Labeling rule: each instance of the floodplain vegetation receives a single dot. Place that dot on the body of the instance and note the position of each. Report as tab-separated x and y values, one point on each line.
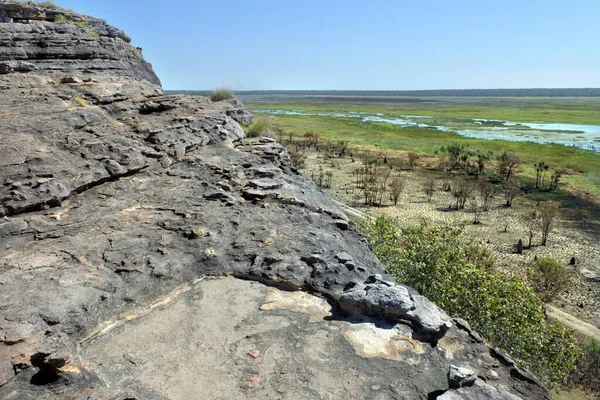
489	230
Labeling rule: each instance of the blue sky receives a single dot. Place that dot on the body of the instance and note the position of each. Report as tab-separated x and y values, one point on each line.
385	45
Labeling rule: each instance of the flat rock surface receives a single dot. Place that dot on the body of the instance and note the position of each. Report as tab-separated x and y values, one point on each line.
265	343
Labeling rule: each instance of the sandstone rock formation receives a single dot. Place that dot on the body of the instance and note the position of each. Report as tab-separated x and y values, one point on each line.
117	203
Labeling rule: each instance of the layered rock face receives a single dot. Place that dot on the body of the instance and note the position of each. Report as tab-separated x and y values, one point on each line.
117	204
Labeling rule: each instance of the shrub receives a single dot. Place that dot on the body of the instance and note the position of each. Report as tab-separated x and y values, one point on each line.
505	310
60	19
429	188
262	126
397	186
52	5
549	277
297	155
512	189
81	23
588	368
92	34
80	102
221	93
547	213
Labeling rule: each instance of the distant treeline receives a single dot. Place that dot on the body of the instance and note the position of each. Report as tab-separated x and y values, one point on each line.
581	92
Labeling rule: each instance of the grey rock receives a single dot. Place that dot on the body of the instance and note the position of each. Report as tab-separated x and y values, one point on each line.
479	391
428	315
7	67
265	184
459	377
342	224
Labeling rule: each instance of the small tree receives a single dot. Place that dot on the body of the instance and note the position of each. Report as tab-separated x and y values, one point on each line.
512	189
429	188
461	192
555	178
548	278
531	220
397	186
474	209
482	160
343	147
507	164
297	155
547	213
454	152
412	159
375	182
539	170
487	192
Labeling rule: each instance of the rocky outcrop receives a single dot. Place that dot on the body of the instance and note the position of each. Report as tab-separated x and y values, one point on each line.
115	200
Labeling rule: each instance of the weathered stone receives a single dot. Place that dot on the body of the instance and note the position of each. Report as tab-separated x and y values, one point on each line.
479	391
7	67
459	377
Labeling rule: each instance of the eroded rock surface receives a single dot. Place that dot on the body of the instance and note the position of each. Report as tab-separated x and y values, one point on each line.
114	200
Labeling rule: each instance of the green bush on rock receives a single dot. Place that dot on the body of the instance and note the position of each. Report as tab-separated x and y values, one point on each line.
262	126
221	93
505	310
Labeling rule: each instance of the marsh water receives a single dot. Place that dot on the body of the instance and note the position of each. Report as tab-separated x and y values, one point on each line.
582	136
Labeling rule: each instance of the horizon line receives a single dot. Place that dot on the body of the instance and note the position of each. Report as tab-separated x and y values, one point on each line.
388	90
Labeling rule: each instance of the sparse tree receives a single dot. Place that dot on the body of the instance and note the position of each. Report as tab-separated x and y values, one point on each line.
539	170
375	183
297	155
555	178
454	152
548	211
482	160
530	217
507	164
487	192
343	147
548	278
546	168
412	159
461	192
429	188
474	209
397	186
512	189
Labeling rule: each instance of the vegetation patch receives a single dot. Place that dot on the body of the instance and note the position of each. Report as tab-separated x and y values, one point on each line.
504	309
80	101
221	93
588	369
261	126
60	19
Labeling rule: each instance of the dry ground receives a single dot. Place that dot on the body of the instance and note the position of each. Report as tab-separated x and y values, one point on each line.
581	298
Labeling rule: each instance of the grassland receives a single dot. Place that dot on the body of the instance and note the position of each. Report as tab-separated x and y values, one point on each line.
583	165
575	110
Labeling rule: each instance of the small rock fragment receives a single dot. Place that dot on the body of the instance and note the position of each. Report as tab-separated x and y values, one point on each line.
254	382
460	377
210	253
254	353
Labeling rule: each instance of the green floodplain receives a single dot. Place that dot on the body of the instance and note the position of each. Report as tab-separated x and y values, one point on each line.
583	165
